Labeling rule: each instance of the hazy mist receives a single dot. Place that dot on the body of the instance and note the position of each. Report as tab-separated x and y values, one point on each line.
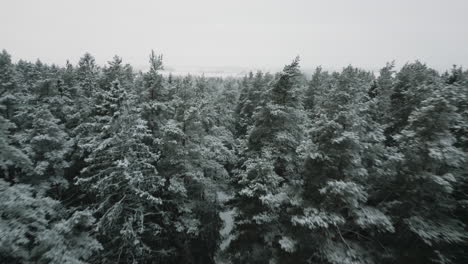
239	34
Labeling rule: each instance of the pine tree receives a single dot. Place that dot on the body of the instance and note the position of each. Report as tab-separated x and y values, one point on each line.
317	85
344	159
250	100
122	176
194	147
127	187
87	120
423	202
36	229
47	144
87	74
412	85
154	96
382	94
8	93
265	184
116	70
12	160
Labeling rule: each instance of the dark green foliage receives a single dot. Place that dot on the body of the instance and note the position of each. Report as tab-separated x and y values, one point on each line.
412	83
36	229
106	165
424	204
344	158
268	177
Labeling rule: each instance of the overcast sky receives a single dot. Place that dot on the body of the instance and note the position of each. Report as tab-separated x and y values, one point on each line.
239	33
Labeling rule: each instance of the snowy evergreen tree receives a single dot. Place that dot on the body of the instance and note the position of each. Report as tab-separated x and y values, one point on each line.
47	144
422	202
317	85
130	196
8	90
252	91
412	85
344	157
36	229
267	179
13	161
116	70
381	93
87	74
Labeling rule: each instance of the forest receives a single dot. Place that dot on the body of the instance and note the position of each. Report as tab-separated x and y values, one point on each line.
107	164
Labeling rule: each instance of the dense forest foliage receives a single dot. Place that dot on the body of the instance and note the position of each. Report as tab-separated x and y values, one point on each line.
104	164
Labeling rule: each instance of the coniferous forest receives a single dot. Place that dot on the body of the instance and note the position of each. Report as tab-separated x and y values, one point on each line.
107	164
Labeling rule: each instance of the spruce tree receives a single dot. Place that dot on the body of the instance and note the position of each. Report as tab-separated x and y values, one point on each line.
344	159
37	229
423	203
267	179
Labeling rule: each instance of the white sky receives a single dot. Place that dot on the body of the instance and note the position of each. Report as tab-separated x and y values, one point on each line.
239	33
